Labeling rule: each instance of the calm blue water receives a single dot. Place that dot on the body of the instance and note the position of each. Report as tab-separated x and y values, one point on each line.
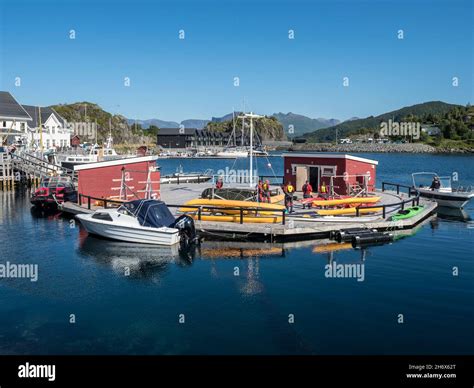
246	314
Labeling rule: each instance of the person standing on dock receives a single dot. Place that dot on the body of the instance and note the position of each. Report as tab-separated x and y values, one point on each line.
323	191
260	191
266	191
288	190
307	193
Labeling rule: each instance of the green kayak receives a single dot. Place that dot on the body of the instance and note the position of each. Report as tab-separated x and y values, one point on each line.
407	213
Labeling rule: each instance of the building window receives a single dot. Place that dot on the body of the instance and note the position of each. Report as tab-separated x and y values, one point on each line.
328	170
54	142
4	124
22	126
47	143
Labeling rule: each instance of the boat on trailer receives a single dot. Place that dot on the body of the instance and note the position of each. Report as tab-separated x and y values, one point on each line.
445	195
145	221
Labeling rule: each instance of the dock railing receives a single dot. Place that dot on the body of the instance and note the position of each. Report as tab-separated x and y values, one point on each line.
413	198
243	211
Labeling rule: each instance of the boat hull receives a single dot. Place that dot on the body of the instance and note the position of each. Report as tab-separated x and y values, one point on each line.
452	200
119	232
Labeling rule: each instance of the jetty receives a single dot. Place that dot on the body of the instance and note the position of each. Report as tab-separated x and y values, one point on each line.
23	167
292	227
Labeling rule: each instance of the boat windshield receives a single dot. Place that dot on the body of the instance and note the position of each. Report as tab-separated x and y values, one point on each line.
424	180
53	182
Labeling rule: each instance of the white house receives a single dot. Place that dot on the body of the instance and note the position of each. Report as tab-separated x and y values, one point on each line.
54	134
14	120
431	130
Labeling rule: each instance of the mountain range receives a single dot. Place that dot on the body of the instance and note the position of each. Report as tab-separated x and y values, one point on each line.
300	124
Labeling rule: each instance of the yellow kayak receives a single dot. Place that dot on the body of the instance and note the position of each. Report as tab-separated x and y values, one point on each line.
223	203
345	201
246	220
349	210
277	198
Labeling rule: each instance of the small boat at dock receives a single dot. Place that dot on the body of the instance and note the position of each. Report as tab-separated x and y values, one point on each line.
140	221
192	177
54	190
442	192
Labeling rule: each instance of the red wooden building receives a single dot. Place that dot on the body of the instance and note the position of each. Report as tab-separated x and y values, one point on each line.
119	179
343	174
75	141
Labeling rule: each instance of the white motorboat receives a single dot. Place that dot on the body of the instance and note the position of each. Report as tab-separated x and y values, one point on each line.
233	152
443	193
96	154
145	221
191	177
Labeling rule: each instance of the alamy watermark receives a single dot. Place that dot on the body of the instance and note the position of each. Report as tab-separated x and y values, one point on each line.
229	175
19	271
343	271
85	129
403	128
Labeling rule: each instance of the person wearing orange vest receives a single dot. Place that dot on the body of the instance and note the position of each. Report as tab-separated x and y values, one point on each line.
288	190
307	190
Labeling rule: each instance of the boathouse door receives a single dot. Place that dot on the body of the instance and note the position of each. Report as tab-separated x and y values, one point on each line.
301	176
314	177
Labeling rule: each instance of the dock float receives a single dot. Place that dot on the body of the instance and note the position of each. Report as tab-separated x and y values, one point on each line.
293	228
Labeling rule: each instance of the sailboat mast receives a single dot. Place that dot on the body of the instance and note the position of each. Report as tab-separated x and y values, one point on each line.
251	151
41	130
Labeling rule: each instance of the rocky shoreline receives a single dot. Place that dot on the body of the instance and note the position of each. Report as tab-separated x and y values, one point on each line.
376	148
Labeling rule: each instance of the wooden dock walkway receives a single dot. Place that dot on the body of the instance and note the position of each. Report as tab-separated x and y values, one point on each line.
292	230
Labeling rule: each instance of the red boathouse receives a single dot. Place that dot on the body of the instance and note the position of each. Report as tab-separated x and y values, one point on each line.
120	178
343	174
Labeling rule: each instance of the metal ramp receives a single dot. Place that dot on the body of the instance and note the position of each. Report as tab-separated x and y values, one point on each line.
37	167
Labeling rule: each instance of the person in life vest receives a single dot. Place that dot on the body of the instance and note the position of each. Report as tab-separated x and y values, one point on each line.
266	191
219	183
260	191
307	193
288	190
323	191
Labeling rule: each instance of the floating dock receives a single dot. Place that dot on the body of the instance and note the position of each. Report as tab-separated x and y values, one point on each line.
294	228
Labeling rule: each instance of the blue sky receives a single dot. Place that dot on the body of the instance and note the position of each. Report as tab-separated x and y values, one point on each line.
175	79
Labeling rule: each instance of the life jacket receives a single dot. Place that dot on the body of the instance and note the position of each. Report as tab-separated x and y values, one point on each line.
323	188
289	188
265	186
307	189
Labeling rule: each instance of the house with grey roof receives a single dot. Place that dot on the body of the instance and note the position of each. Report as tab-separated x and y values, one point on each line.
47	125
14	118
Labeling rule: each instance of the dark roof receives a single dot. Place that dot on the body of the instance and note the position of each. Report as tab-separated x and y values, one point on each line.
176	131
33	111
10	108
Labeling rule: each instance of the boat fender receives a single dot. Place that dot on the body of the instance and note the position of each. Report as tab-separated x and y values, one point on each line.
368	239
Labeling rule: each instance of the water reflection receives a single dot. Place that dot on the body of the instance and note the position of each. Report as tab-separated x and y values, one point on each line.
452	214
137	261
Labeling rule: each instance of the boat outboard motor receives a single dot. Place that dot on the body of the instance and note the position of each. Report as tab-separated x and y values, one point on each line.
187	230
